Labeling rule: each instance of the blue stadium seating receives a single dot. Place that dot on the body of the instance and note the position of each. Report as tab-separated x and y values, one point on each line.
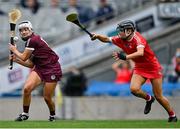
98	88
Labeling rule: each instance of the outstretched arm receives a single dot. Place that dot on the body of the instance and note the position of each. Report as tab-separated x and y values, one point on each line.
102	38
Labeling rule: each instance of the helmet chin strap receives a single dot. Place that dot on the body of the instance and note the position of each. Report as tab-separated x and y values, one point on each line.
26	38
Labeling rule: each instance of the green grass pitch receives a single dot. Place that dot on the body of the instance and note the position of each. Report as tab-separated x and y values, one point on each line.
91	124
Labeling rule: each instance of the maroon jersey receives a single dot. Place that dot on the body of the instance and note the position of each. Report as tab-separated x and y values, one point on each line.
44	58
42	53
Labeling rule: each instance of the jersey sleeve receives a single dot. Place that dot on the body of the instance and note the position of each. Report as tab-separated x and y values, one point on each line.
31	44
140	41
115	40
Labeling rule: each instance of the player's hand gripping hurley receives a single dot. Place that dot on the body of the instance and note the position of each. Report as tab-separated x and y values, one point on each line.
73	17
14	16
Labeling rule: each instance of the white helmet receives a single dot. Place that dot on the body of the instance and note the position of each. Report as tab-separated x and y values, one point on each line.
25	24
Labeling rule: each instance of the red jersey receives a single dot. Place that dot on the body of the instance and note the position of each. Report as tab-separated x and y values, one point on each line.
146	65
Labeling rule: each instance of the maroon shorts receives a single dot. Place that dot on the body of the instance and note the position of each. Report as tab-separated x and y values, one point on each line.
49	73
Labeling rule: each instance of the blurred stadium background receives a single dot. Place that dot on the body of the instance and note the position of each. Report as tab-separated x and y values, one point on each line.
157	20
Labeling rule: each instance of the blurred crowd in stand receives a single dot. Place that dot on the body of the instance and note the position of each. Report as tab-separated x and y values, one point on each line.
104	10
76	82
49	15
174	75
169	1
123	71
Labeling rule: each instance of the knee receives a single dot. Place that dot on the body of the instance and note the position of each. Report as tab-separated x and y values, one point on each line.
27	90
134	90
47	98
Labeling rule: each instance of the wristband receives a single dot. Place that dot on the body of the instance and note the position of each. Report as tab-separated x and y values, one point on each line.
122	56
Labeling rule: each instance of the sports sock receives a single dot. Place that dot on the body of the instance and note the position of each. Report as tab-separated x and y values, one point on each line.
148	97
52	113
171	113
26	109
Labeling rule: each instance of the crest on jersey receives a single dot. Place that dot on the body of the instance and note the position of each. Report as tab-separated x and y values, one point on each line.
128	45
53	77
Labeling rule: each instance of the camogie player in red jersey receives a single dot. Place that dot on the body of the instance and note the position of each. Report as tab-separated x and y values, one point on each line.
136	48
45	68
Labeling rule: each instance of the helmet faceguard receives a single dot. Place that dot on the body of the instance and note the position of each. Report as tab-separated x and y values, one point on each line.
122	26
25	24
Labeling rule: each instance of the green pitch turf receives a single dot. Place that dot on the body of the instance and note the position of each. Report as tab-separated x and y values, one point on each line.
91	124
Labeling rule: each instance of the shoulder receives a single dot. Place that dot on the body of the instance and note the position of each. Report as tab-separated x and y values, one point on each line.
115	38
139	39
35	37
33	40
138	36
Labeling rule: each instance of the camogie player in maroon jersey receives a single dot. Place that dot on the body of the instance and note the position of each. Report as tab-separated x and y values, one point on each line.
45	68
146	64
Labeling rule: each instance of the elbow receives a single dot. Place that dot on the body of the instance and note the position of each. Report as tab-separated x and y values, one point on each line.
108	40
31	66
141	54
24	59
